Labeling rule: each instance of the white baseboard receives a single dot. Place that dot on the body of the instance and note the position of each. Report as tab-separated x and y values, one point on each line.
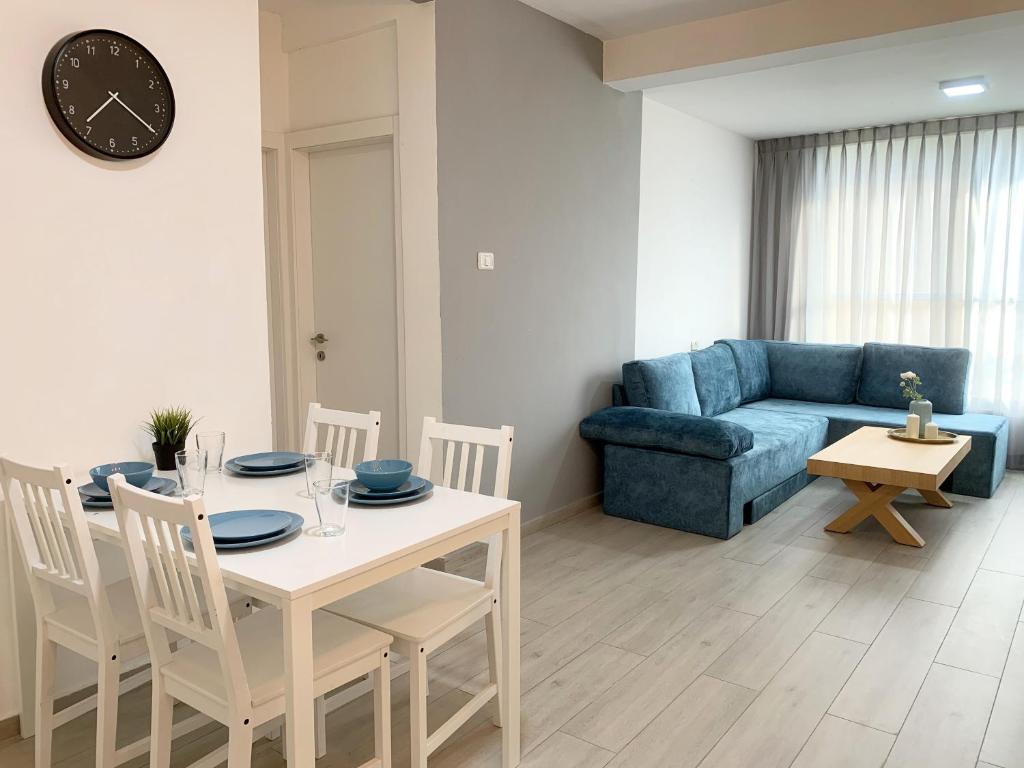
562	514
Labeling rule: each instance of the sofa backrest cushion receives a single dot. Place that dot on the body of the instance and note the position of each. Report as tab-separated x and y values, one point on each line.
943	373
716	379
819	373
665	383
751	358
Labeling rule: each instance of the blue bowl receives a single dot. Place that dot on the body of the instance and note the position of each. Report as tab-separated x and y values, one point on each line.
383	475
137	473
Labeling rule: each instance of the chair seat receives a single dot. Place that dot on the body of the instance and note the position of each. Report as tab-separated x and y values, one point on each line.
75	617
336	643
415	605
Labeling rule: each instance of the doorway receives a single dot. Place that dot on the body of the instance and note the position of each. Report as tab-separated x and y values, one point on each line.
355	343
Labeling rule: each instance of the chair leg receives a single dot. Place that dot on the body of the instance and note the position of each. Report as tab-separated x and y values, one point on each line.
162	723
418	707
240	746
46	670
320	720
382	711
492	623
106	712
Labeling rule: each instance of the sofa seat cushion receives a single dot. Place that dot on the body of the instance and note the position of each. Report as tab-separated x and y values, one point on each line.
782	444
980	472
665	383
751	358
716	379
869	416
943	373
821	373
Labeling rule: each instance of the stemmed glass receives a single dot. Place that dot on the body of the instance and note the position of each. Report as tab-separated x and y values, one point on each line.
331	505
191	471
319	466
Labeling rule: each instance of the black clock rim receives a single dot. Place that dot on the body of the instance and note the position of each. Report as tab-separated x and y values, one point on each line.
53	107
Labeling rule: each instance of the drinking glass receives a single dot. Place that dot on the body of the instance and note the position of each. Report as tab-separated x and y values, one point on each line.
213	444
331	506
191	471
318	467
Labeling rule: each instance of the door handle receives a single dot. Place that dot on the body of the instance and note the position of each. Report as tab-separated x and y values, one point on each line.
318	339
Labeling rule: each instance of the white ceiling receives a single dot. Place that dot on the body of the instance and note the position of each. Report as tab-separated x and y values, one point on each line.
869	88
609	19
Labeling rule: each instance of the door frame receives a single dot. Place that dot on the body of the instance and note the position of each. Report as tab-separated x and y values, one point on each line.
297	266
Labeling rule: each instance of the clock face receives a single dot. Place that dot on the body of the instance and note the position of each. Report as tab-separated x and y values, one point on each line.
108	95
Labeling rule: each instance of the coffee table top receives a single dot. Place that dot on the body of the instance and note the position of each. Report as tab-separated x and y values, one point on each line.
871	456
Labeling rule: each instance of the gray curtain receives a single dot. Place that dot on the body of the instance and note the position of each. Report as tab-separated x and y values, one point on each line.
911	233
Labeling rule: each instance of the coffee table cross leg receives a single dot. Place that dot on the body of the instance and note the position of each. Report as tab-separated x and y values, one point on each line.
876	501
936	498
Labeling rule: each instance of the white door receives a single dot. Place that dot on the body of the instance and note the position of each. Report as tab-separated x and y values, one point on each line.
352	214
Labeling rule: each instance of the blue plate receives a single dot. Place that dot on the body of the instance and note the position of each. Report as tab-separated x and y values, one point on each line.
161	485
248	524
410	486
230	465
269	461
363	501
295	525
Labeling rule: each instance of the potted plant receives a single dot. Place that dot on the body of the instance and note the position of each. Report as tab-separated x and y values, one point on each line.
169	428
919	404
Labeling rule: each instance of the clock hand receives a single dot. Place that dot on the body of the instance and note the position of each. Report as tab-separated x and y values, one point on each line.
102	106
131	111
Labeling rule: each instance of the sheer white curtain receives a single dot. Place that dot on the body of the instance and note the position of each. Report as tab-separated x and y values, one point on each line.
911	234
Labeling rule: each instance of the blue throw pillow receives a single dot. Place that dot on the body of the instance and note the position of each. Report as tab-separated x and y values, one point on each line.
665	383
943	373
716	380
819	373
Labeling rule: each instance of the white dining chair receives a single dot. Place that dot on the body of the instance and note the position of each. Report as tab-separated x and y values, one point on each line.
341	433
73	608
231	672
424	608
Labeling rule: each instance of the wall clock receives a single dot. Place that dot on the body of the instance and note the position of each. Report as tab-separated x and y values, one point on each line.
108	95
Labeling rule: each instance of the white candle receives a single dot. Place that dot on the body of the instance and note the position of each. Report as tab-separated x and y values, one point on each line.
913	425
931	430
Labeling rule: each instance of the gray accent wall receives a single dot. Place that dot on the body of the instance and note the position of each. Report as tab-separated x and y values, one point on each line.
538	162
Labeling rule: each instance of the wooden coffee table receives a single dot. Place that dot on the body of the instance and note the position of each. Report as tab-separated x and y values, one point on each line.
878	469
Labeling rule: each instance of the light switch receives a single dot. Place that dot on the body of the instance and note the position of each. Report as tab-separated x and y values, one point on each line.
484	260
694	346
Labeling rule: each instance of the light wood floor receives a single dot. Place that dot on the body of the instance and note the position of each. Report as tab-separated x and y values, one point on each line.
785	646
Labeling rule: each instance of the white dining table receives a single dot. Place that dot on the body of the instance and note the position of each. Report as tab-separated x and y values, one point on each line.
306	572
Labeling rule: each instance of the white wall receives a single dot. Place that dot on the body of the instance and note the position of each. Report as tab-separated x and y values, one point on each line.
352	61
273	75
694	242
134	285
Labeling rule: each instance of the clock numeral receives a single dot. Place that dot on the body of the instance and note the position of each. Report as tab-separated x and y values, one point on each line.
151	84
113	144
135	141
71	109
90	49
88	130
115	50
65	84
137	63
156	108
75	62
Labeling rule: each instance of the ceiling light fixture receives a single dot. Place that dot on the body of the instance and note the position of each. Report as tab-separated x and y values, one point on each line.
968	86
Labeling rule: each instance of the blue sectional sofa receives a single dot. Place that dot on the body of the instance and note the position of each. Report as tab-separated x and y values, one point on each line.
710	440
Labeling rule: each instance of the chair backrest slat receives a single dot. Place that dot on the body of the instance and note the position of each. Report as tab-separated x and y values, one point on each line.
52	534
442	438
342	430
151	531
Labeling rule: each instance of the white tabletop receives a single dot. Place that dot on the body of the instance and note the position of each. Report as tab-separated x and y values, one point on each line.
303	563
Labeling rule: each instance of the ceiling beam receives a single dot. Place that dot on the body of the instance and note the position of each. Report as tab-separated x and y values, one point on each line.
783	33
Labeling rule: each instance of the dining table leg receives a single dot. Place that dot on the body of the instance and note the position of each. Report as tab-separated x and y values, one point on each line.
298	677
510	746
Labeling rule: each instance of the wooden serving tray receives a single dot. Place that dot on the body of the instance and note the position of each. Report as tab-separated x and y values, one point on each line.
901	434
